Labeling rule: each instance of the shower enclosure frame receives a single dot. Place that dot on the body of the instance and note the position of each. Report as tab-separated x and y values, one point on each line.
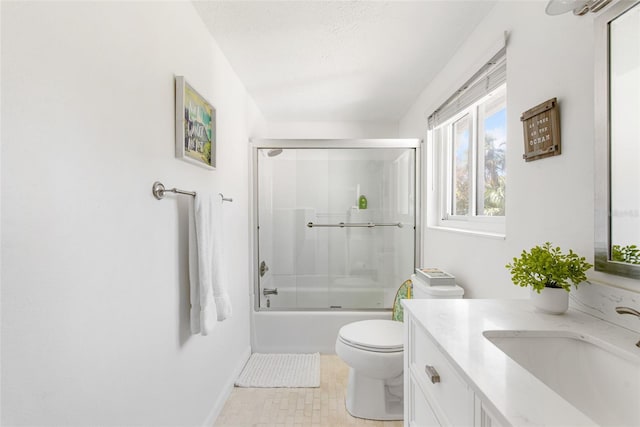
257	144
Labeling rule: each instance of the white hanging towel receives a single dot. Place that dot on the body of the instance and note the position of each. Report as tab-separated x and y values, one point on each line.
210	301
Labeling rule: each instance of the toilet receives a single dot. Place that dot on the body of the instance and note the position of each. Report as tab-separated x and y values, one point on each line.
374	351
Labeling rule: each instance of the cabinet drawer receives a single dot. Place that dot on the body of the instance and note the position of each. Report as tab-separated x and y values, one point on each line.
420	412
449	394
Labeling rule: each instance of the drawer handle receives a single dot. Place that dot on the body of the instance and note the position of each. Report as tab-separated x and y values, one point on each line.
433	374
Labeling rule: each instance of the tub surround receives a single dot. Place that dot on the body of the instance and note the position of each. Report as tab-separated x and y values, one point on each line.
511	393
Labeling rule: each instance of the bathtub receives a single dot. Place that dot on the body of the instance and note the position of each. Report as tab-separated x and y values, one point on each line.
307	313
303	331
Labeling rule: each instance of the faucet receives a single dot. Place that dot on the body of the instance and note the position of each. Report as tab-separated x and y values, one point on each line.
629	310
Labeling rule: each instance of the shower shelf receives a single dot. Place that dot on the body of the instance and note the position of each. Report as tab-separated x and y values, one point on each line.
356	224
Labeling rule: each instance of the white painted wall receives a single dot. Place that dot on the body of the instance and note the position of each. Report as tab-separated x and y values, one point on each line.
331	130
549	199
95	303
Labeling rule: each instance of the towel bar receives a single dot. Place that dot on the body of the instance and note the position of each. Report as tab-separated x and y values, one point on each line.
159	189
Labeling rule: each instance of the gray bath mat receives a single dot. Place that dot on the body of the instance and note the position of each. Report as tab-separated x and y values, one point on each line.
281	370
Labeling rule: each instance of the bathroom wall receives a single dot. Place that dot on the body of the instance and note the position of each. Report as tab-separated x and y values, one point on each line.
546	200
95	302
331	130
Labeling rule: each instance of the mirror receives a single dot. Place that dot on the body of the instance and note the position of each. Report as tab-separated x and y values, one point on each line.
617	133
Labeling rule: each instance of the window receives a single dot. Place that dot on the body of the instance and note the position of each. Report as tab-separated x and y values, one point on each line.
492	134
468	134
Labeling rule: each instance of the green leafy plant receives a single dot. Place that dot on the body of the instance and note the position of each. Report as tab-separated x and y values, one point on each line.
547	267
629	254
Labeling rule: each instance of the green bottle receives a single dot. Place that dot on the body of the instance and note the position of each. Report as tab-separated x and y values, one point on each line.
362	202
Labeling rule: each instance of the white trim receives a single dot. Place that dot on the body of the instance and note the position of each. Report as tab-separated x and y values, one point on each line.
479	233
481	224
227	389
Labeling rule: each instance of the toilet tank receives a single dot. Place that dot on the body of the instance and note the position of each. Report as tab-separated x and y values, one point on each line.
421	290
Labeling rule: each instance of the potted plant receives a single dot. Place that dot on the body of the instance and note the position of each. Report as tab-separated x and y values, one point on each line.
548	269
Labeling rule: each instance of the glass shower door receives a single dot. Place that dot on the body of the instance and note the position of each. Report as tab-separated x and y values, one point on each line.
336	226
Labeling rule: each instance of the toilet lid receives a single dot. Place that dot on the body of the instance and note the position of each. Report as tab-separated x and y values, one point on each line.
380	335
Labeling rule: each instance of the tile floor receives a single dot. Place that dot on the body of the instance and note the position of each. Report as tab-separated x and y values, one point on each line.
296	407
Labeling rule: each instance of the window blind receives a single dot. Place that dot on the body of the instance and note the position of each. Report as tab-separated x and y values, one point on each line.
489	77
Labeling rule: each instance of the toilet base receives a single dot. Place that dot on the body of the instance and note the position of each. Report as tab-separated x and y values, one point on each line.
371	399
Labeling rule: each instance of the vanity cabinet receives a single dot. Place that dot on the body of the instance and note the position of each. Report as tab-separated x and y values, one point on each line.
435	393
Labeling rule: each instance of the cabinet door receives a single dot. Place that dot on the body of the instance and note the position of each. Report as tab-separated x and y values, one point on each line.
420	412
487	419
484	416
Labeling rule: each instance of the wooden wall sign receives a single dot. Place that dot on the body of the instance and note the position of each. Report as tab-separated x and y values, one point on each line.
541	131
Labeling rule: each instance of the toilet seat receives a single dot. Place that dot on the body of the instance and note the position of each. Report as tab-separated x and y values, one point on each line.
378	336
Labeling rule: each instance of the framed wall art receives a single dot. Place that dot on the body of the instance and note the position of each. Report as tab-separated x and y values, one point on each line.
541	125
195	126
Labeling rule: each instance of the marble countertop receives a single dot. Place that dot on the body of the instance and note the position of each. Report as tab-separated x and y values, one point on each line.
511	391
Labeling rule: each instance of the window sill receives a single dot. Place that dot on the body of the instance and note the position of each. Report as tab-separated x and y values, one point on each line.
479	233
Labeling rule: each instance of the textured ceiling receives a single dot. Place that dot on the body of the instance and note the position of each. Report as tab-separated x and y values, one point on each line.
338	60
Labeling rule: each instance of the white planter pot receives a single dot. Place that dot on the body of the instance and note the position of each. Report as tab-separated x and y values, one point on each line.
550	300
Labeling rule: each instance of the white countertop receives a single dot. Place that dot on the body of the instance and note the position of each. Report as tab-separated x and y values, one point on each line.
509	390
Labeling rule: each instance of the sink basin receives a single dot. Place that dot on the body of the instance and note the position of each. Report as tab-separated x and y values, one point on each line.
599	379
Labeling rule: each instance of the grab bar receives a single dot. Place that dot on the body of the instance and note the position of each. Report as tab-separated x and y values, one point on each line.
357	224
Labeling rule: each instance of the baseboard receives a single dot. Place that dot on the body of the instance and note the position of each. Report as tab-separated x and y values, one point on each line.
227	389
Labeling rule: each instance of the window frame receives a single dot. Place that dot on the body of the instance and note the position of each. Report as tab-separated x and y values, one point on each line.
441	138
